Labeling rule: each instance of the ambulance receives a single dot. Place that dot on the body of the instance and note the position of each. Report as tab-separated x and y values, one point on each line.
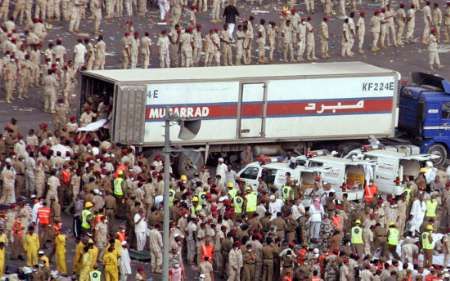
346	176
275	173
391	167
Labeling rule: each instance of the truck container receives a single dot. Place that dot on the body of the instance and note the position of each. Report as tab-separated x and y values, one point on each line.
273	107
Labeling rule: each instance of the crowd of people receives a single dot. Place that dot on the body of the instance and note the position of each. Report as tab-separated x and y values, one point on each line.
220	229
30	60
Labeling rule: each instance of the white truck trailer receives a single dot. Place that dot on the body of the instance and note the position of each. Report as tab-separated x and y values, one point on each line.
273	107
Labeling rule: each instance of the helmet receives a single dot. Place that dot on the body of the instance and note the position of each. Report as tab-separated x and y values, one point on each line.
120	173
358	221
88	205
392	224
230	184
429	227
195	199
248	188
423	170
183	178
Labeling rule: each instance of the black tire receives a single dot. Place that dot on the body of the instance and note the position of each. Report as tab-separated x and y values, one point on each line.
440	150
189	163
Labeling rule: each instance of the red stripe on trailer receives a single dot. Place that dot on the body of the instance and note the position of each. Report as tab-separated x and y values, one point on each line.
249	110
274	109
356	106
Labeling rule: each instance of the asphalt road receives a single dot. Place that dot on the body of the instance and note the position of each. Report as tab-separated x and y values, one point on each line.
410	58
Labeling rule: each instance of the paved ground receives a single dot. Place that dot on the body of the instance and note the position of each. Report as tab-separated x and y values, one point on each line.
408	59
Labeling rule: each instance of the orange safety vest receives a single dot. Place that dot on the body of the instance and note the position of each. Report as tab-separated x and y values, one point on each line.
369	193
65	176
336	220
322	259
287	278
301	256
121	167
315	278
97	219
121	235
208	251
44	215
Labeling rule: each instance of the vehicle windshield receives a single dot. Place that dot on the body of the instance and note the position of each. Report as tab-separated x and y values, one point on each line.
250	173
313	163
268	175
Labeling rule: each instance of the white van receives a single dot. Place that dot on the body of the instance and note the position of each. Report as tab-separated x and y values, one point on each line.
275	173
392	166
272	173
339	172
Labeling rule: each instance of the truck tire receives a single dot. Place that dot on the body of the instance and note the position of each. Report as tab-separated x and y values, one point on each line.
189	163
440	150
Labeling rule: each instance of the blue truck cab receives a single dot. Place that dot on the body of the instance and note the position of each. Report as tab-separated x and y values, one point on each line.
424	114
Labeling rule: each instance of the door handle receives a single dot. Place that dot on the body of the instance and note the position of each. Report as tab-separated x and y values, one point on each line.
245	131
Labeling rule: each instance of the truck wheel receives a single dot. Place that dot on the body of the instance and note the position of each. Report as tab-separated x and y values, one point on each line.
441	151
190	162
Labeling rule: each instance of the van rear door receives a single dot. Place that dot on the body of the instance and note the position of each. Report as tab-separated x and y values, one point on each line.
386	172
356	175
334	175
411	165
307	177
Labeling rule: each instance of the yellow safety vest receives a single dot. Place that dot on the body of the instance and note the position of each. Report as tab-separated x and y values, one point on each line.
85	218
431	208
201	197
357	237
238	202
393	237
252	202
286	191
195	209
95	275
118	187
426	244
232	193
